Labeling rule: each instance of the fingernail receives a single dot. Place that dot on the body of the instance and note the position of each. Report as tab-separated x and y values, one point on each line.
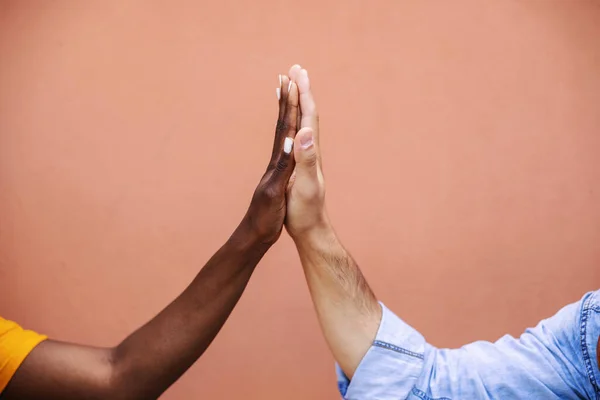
280	80
287	145
278	91
290	86
306	140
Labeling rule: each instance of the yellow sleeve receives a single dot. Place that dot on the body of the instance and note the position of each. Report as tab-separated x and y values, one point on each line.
15	345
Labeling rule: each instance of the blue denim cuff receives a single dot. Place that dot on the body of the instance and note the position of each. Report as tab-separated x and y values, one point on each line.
590	332
391	366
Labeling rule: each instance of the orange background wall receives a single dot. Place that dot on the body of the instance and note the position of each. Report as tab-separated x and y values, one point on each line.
461	143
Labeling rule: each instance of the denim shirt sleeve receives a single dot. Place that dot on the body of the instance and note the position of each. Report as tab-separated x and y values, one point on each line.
391	366
554	360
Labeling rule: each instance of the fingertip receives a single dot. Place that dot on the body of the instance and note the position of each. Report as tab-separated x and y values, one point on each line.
294	71
303	82
285	81
304	138
305	152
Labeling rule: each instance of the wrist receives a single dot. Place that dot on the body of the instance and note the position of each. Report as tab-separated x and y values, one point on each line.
246	239
319	234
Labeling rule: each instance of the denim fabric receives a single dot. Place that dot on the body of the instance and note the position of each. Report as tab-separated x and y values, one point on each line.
554	360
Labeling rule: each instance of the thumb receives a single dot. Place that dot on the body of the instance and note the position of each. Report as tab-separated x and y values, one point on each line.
305	154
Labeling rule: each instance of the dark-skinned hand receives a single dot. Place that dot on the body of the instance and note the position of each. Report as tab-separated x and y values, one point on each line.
267	211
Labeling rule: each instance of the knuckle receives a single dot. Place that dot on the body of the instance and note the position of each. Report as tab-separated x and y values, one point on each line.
268	191
282	164
311	161
272	192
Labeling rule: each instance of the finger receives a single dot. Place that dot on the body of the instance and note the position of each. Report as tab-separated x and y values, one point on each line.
279	127
308	107
305	154
283	163
294	74
291	110
278	89
282	95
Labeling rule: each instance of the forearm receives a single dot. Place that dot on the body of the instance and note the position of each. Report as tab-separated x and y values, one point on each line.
347	309
145	364
153	357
